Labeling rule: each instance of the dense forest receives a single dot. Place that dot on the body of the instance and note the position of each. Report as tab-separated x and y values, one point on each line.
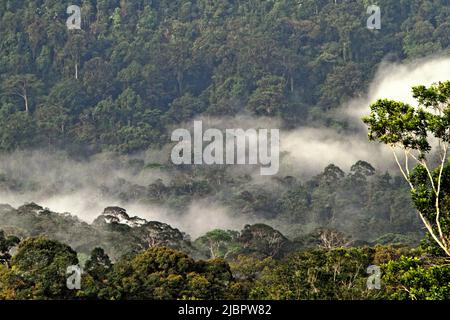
137	68
115	89
154	261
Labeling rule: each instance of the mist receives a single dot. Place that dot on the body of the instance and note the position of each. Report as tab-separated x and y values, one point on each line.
394	81
200	217
309	149
65	185
84	188
62	184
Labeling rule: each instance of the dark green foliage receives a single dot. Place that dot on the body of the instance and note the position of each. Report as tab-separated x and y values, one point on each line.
218	243
38	271
161	273
363	204
318	274
6	243
424	200
137	68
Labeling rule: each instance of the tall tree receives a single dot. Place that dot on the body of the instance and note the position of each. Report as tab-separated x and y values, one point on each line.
23	86
400	125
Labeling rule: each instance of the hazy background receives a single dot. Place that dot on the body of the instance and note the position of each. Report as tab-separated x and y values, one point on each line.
66	185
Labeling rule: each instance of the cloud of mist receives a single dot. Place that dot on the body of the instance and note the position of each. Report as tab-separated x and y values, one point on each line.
63	184
310	149
394	81
307	150
59	183
78	186
200	217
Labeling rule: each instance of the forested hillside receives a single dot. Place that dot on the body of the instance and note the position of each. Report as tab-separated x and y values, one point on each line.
139	67
86	118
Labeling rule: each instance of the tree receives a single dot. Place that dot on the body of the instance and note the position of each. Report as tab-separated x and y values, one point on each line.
184	108
220	243
317	274
73	50
415	278
363	169
98	264
400	125
6	243
263	240
340	85
295	204
331	239
162	273
17	130
52	120
419	42
95	278
38	271
23	86
268	98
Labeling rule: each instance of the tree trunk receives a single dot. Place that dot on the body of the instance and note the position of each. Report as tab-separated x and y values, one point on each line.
180	82
25	98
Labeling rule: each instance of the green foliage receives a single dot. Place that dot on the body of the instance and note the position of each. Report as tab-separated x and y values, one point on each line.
6	243
161	273
38	271
396	123
267	99
318	274
137	68
424	199
363	204
412	278
413	130
219	243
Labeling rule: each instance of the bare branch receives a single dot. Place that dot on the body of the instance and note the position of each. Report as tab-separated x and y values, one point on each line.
401	168
438	211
